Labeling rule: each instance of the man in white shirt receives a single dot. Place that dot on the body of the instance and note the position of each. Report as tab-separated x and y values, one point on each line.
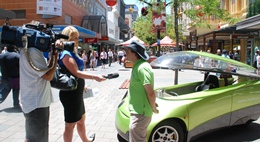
110	57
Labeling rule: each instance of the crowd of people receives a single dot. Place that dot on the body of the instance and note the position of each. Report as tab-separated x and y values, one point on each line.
93	58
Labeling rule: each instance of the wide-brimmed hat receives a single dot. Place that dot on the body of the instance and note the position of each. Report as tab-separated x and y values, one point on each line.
139	49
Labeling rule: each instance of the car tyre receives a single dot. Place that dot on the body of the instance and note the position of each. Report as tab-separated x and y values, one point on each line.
120	139
167	131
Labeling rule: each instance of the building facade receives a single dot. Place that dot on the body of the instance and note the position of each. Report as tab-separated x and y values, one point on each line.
238	37
90	17
131	14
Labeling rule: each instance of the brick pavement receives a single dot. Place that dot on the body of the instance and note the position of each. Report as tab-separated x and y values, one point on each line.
100	109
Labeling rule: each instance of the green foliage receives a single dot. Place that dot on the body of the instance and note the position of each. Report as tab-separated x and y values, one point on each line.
253	9
143	28
207	8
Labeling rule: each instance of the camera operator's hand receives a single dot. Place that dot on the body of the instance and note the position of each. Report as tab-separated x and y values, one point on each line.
59	44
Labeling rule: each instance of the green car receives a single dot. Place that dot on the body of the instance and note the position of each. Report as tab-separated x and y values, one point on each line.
228	95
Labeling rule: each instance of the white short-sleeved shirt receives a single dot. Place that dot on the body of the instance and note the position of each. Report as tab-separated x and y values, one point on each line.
35	91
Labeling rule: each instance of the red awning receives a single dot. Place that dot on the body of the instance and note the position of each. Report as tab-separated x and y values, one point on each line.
166	41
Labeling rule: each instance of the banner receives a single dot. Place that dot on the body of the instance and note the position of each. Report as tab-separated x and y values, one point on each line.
159	17
49	7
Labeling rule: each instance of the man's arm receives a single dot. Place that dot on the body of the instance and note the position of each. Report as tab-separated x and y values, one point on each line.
53	62
151	96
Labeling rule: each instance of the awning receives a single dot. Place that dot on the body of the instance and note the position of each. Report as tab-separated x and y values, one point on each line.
252	23
110	40
84	33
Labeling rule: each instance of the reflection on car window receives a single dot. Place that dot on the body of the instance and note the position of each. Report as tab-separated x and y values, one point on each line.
203	61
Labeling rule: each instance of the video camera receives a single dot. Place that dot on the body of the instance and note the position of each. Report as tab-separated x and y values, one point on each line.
39	36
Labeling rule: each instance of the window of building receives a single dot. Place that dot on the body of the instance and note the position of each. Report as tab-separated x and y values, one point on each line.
68	19
20	14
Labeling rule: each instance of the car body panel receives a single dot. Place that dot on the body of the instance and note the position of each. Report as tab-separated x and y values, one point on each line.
200	111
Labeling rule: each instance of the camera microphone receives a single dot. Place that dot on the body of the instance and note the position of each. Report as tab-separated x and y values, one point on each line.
112	75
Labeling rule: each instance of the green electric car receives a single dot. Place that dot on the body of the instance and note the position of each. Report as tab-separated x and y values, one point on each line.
227	95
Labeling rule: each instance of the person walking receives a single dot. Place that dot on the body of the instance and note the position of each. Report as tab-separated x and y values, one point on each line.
96	56
72	101
110	57
258	63
141	92
103	58
35	91
4	50
9	63
255	59
85	58
120	55
92	59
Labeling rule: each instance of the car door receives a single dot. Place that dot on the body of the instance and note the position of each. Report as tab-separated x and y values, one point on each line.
212	110
246	102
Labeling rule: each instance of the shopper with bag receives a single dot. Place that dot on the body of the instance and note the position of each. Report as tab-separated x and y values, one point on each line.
72	101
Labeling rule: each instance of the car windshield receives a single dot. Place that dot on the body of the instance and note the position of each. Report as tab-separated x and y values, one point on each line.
203	61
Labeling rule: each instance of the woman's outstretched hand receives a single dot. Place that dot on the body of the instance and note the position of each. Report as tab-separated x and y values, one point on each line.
99	78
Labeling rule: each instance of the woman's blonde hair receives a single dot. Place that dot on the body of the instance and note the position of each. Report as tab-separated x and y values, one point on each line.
69	30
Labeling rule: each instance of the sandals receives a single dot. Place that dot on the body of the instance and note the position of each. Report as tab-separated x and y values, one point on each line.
92	137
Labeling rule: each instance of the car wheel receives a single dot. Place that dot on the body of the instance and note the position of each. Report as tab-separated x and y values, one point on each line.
167	131
120	139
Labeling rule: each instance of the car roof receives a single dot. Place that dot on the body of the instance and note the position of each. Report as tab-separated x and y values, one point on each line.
203	61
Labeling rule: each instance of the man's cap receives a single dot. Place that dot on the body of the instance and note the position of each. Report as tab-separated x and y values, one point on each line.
139	49
224	51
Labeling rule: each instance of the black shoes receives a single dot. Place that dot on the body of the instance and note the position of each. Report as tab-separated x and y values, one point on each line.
92	137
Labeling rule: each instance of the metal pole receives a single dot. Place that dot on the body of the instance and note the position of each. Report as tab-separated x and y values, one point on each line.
158	42
177	36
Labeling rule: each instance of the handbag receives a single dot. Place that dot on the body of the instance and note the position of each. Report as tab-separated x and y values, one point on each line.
63	79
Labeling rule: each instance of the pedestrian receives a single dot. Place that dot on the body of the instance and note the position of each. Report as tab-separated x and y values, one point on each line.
92	59
85	58
219	52
141	91
120	55
9	63
72	101
35	89
237	56
4	50
103	58
115	56
96	56
110	57
231	55
255	59
258	63
224	54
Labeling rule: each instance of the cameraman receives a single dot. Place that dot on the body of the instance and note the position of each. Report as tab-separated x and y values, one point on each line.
36	95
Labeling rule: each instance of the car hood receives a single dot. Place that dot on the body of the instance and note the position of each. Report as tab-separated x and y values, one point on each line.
203	61
163	105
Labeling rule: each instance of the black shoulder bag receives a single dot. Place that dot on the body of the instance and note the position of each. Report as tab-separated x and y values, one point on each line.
63	79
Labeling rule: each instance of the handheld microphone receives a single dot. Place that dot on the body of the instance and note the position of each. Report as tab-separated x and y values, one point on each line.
112	75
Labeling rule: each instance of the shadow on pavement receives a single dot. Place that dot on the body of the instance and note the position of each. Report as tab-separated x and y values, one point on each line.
11	110
231	134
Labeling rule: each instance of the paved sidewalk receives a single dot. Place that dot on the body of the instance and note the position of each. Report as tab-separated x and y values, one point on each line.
100	108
